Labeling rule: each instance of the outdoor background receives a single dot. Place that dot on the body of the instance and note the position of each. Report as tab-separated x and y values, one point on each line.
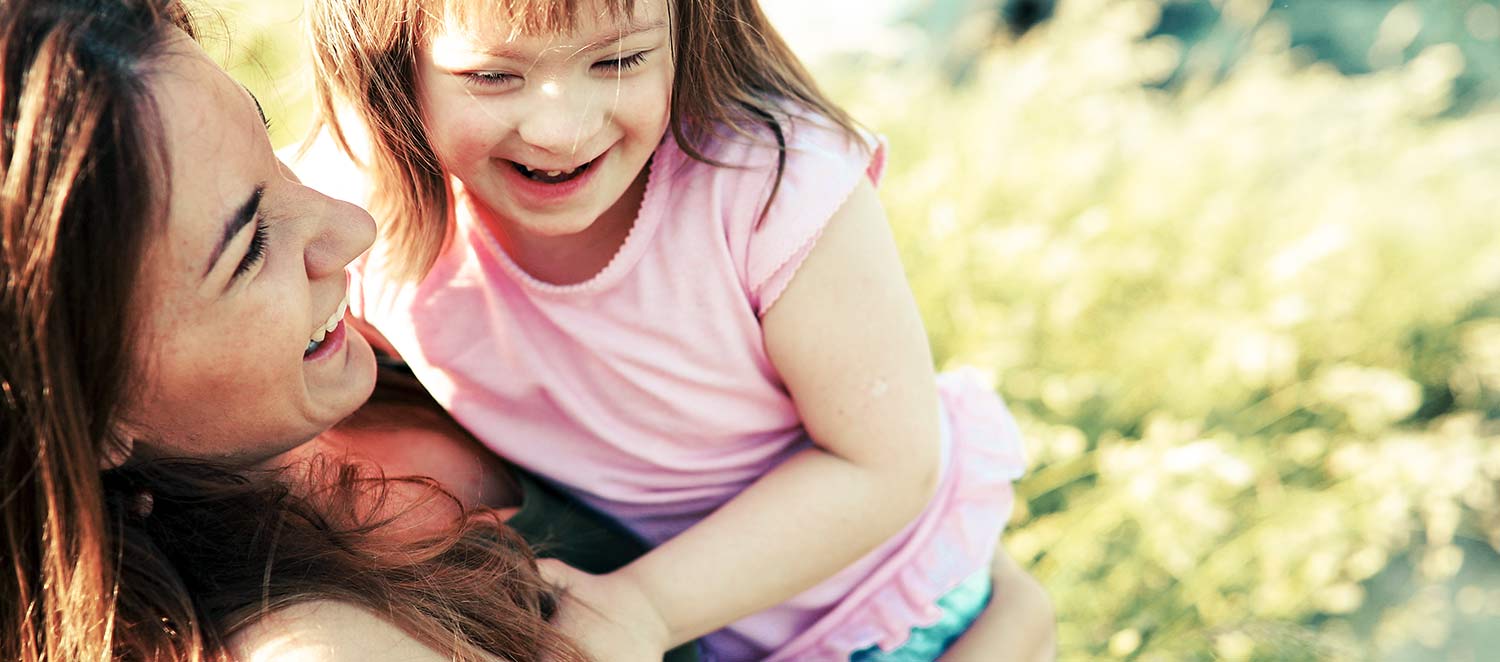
1235	265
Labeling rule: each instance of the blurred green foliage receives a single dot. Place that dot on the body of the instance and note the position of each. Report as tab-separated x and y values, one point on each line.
1250	323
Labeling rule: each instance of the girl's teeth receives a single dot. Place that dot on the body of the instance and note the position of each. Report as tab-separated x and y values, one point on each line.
319	335
550	176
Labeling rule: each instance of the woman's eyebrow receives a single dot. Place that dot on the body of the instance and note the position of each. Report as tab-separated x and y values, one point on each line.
235	223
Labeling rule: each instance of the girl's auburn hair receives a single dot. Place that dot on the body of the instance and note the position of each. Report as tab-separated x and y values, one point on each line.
166	560
732	72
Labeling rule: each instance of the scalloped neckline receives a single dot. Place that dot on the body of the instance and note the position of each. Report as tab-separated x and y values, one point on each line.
647	217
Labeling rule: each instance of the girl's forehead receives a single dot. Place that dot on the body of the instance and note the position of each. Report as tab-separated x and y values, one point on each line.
530	18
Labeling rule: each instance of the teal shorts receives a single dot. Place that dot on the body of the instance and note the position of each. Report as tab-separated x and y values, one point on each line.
960	607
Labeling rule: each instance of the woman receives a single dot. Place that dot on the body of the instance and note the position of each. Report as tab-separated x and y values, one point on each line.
169	291
113	316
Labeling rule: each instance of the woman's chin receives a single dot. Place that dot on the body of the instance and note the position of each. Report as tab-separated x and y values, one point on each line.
340	384
360	369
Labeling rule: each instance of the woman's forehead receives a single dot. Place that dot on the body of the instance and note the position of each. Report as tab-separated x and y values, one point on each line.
208	128
195	97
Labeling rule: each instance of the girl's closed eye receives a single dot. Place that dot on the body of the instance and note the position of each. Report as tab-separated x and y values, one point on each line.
623	63
487	78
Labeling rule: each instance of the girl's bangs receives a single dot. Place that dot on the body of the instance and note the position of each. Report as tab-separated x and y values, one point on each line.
528	17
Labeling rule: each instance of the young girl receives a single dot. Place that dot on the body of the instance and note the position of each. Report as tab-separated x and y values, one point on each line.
636	230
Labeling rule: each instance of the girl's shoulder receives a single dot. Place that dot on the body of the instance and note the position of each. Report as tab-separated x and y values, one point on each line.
798	143
774	190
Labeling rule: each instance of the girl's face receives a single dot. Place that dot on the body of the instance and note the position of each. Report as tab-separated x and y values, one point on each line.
549	132
245	354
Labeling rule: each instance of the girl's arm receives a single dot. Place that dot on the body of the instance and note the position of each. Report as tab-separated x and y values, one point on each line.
849	344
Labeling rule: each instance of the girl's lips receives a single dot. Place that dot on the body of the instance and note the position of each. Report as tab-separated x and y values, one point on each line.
332	342
531	190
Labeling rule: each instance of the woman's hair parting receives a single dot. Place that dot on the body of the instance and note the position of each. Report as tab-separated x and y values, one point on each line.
165	560
733	73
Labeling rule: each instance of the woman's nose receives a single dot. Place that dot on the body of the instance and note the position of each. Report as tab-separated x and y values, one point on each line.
345	232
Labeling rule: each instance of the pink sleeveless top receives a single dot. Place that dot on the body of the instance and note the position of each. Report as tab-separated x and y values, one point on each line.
646	391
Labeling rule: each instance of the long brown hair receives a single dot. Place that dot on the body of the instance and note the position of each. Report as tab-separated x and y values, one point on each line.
167	559
733	72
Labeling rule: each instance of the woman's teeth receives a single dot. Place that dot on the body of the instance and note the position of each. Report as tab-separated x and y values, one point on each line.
550	176
327	328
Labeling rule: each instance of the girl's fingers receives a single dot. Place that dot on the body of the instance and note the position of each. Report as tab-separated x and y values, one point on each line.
557	573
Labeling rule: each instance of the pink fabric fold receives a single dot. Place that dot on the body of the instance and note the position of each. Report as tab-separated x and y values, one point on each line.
955	537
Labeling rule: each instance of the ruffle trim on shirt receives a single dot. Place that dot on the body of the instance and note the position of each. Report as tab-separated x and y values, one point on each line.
987	456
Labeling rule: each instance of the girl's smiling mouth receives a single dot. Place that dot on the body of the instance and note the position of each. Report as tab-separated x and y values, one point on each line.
544	186
546	176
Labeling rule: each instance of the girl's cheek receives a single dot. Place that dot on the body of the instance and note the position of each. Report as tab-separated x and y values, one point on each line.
463	137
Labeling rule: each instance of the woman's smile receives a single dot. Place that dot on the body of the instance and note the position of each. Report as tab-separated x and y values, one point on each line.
328	337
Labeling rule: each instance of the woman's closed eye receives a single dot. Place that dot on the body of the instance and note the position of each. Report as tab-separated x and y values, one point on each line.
257	250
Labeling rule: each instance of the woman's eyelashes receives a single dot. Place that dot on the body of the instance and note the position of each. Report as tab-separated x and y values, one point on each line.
498	78
257	250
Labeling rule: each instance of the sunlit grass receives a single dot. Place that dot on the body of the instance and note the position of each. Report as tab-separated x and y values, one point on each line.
1250	326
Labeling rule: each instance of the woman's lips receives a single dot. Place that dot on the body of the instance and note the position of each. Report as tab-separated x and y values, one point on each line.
331	343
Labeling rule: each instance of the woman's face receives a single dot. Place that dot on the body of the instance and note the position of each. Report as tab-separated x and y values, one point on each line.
244	354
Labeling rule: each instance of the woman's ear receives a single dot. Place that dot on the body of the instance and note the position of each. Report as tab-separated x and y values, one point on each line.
117	449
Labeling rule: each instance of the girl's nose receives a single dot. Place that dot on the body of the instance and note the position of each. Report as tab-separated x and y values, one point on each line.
561	118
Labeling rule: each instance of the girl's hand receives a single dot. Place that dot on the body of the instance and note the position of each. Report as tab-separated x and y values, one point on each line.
608	616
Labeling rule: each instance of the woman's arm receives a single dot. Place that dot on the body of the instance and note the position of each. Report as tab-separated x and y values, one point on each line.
849	345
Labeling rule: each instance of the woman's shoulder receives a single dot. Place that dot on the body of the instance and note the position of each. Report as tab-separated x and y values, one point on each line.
327	631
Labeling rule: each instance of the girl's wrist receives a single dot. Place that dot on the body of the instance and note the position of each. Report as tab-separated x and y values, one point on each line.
646	616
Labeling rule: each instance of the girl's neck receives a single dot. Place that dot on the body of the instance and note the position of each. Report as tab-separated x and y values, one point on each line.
574	258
